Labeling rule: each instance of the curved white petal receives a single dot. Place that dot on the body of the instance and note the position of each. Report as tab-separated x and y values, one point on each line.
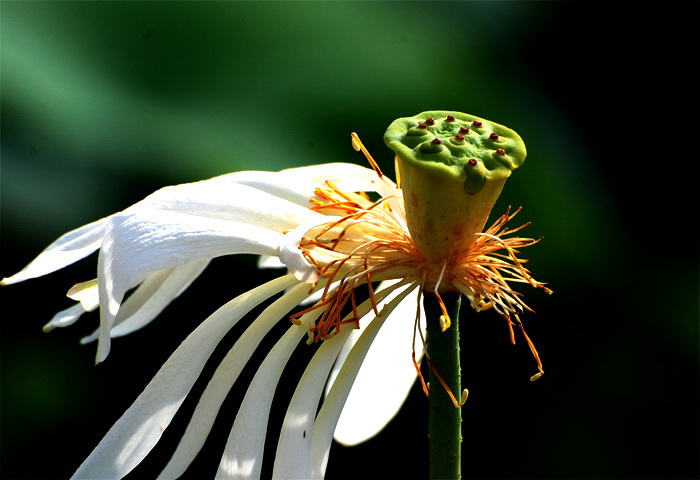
327	418
274	200
150	298
349	178
269	261
223	379
293	448
67	249
86	293
242	457
346	176
213	198
298	184
385	377
142	425
229	201
145	240
65	318
293	257
293	456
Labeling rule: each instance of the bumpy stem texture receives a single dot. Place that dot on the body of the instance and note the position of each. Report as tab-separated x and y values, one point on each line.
445	420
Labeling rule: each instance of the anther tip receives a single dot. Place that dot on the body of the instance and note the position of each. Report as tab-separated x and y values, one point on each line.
445	323
465	395
355	142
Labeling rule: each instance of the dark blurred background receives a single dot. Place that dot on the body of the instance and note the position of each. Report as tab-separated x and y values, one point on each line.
104	102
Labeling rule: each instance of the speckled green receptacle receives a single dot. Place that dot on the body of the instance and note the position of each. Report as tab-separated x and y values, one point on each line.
452	167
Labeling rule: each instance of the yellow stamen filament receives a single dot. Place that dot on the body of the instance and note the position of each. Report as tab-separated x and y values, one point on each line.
358	146
444	385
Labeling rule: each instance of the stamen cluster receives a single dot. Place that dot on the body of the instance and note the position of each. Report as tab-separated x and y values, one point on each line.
368	241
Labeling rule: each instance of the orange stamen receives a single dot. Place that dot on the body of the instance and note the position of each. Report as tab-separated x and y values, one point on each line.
444	384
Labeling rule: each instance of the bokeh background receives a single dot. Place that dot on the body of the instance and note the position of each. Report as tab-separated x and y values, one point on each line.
104	102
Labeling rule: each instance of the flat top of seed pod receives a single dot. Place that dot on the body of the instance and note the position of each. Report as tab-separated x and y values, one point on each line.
462	146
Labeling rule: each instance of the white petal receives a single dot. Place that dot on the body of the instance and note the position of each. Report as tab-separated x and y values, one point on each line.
327	417
293	257
64	318
298	184
150	298
298	190
269	261
223	379
346	176
385	378
277	200
229	201
68	249
349	178
242	457
292	459
140	428
294	445
144	240
87	293
221	198
243	454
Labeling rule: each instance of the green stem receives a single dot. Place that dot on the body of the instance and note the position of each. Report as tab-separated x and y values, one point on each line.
445	420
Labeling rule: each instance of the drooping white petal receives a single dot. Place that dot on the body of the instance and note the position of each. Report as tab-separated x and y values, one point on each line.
242	457
223	379
150	298
226	200
65	318
145	240
327	417
140	428
68	249
274	200
293	448
86	294
292	459
385	377
229	201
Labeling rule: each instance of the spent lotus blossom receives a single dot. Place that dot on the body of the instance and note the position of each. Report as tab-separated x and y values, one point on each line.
335	228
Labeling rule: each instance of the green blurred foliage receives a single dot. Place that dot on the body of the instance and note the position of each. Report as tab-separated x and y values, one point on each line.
104	102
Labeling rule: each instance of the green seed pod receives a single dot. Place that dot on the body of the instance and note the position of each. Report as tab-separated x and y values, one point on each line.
452	167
